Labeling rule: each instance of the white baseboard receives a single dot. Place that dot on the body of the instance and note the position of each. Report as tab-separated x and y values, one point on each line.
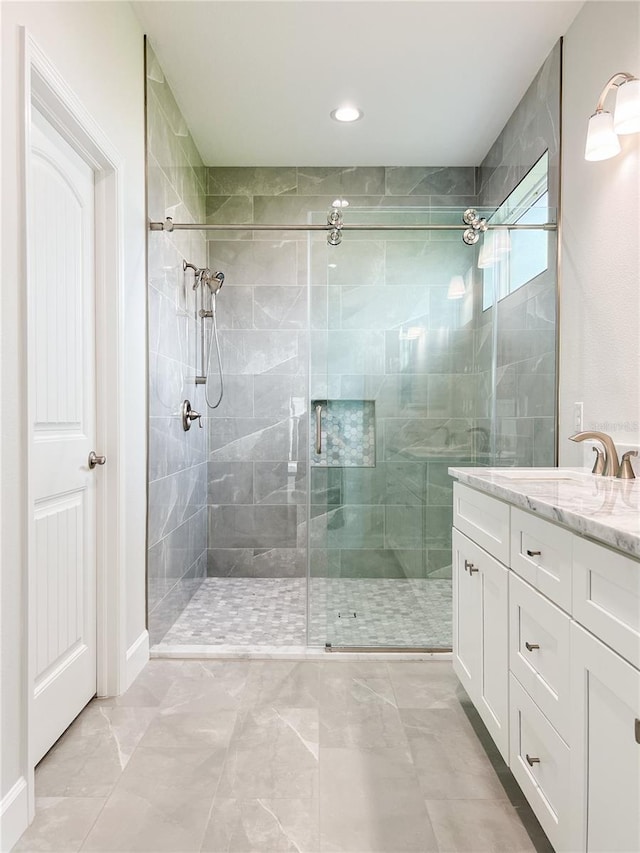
14	815
136	660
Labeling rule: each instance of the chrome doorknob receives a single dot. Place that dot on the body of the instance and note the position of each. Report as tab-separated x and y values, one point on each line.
94	459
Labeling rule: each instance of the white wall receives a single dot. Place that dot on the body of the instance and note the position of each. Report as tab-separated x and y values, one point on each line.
98	49
600	266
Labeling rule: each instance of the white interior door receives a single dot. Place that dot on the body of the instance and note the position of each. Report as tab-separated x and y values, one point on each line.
62	407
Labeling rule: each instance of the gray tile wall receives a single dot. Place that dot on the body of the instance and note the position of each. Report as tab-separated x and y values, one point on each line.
519	403
380	327
177	510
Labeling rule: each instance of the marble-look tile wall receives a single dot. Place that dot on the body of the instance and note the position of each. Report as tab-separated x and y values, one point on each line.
380	327
177	513
519	390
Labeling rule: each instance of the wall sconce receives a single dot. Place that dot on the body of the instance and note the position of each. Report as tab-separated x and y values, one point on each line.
604	128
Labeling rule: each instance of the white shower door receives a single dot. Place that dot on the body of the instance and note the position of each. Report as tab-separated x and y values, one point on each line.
62	429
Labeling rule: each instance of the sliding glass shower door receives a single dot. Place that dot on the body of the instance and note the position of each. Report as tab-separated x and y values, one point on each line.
393	403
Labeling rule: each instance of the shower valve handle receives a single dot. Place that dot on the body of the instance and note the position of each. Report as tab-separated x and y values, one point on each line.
189	415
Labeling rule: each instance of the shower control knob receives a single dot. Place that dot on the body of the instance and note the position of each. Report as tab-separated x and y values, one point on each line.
189	415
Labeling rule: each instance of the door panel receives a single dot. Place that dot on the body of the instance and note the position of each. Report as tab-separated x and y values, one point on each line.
466	616
61	359
605	748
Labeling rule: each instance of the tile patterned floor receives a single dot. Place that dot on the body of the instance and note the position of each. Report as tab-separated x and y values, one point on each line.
272	612
263	756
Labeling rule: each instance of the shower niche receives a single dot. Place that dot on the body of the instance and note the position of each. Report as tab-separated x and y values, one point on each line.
344	433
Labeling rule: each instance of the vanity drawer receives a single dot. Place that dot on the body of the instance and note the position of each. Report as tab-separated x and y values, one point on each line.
541	554
539	760
539	642
606	596
483	519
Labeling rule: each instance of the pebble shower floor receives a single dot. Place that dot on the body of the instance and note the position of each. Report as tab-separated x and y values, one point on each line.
272	612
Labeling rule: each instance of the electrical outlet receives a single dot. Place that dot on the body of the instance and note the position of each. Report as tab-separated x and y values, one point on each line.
578	416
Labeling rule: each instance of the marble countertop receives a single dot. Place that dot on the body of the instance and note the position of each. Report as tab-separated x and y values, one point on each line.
603	508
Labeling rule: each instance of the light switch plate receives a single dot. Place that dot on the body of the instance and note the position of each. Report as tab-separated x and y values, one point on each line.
578	416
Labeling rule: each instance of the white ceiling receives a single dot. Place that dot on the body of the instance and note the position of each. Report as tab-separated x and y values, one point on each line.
437	81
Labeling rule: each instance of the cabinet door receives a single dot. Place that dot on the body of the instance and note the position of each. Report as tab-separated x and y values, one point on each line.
466	616
605	754
480	653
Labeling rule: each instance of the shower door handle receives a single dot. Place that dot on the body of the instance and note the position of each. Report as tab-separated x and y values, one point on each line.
318	429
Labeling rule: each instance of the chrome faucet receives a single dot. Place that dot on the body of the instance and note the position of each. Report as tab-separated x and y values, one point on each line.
611	463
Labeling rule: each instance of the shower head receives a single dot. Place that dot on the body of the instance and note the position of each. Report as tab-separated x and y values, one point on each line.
215	281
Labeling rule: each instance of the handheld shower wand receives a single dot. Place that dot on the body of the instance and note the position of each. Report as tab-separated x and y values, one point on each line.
213	281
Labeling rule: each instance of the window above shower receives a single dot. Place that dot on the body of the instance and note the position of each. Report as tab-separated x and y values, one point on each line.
510	259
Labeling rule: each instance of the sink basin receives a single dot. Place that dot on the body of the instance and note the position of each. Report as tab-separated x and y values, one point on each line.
539	475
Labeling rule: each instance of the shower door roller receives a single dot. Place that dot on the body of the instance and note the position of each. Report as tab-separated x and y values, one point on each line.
94	459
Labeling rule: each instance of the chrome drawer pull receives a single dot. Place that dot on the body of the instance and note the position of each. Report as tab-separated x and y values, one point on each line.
531	646
469	567
534	553
532	761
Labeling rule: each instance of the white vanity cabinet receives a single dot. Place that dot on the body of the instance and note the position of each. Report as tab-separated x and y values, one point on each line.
547	644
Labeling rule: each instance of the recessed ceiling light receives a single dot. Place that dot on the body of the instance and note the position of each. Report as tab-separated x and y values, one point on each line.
346	114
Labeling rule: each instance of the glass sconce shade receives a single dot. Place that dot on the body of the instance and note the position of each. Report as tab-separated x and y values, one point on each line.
626	118
602	141
456	287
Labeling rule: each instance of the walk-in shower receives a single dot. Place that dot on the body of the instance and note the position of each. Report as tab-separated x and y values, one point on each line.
364	350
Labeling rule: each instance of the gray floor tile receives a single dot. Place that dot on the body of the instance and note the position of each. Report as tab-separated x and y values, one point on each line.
204	695
149	688
370	801
450	760
262	826
61	824
161	803
413	690
358	707
273	754
89	758
289	684
243	756
478	826
171	728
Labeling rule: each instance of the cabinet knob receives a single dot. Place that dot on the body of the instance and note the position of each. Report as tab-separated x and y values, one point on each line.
531	761
533	553
531	646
